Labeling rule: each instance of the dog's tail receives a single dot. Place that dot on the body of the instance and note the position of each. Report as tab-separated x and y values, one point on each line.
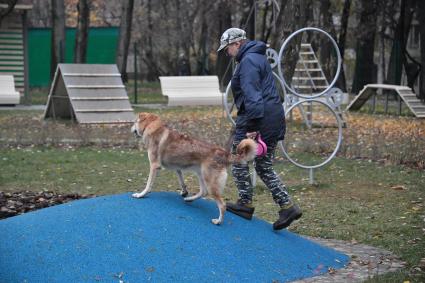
246	151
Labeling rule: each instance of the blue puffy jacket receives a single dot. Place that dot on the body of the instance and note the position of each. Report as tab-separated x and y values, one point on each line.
255	95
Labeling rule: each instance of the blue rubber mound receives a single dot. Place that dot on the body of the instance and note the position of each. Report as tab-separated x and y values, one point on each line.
159	238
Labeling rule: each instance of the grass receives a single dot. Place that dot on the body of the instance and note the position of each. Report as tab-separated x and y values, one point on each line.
392	108
147	92
39	95
375	203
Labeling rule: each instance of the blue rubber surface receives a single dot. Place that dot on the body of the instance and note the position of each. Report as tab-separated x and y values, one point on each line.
159	238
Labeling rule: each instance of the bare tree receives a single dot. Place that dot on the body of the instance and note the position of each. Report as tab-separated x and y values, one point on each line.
58	35
421	16
341	82
397	58
247	8
365	69
82	32
124	37
326	47
149	56
296	17
8	9
224	21
277	35
203	51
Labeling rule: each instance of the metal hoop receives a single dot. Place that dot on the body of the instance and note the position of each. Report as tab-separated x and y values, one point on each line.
339	135
338	62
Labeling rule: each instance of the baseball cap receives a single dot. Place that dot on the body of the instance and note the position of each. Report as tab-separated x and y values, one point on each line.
231	35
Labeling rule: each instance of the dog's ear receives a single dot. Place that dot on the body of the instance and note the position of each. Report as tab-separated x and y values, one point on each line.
142	116
147	118
243	149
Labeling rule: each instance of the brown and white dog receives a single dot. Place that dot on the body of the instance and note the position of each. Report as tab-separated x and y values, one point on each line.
175	151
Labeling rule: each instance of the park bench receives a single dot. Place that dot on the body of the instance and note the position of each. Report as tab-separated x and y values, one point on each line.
191	90
8	94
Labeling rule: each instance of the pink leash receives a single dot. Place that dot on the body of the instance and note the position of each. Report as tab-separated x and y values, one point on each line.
261	146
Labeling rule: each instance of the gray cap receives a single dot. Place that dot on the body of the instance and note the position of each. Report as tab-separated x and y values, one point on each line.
231	35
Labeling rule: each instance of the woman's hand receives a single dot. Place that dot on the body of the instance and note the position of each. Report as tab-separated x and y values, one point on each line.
251	135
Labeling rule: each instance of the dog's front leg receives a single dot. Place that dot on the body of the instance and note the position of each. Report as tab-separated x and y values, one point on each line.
152	174
184	192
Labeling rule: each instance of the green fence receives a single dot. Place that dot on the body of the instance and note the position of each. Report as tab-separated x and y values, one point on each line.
101	49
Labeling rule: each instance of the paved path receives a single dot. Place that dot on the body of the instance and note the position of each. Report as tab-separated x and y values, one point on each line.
43	107
366	262
23	107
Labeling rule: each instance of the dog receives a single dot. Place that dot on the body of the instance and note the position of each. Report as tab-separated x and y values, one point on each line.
172	150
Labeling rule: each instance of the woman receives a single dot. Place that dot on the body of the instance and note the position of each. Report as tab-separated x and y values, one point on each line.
260	112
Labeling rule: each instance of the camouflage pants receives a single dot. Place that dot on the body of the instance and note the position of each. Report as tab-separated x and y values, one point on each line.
264	168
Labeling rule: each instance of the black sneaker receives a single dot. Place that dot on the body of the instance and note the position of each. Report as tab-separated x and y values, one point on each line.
240	208
286	216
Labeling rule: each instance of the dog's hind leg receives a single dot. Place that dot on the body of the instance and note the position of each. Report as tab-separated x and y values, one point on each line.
216	188
221	207
202	189
184	192
152	174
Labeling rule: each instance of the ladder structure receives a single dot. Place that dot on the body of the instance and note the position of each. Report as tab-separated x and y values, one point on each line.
13	46
405	94
309	77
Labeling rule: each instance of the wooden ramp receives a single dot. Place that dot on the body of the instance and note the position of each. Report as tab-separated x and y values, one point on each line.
89	93
416	106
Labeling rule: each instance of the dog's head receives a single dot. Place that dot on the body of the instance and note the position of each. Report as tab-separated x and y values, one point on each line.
142	122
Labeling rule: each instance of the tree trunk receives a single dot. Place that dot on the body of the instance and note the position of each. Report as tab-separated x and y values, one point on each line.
124	37
223	64
395	66
365	70
150	58
248	18
6	11
278	35
326	46
264	30
341	82
82	32
411	66
296	18
202	60
58	35
421	16
381	42
185	35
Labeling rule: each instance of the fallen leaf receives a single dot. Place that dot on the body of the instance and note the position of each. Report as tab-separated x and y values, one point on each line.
399	188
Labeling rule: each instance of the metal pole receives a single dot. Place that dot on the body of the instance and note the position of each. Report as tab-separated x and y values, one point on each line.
386	101
311	176
135	74
255	19
27	97
61	52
